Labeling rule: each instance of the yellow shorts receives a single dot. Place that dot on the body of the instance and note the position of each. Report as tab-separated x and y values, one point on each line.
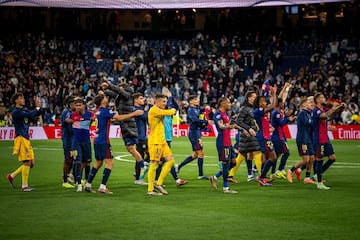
157	151
23	148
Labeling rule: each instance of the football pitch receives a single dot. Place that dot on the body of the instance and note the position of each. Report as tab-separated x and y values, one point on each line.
194	211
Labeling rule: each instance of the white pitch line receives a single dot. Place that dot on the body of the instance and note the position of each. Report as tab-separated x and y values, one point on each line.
345	166
123	157
347	163
342	165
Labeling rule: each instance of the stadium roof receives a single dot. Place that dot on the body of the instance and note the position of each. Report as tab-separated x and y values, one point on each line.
158	4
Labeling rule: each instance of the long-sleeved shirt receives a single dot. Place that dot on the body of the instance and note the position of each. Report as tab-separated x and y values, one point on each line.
141	123
156	125
304	127
20	120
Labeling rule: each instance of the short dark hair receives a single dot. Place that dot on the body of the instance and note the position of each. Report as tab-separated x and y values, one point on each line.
257	101
160	95
221	100
78	100
248	94
137	95
69	100
279	100
98	99
191	97
16	96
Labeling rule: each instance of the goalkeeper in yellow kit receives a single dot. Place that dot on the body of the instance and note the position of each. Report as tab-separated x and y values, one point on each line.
158	147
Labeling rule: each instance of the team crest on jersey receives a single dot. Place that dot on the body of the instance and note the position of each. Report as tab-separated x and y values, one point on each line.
278	115
318	111
218	117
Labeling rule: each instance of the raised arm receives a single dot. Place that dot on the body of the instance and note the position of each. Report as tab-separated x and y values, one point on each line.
273	103
335	108
123	117
285	91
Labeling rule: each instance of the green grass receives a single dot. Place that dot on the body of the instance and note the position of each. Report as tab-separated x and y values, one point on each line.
195	211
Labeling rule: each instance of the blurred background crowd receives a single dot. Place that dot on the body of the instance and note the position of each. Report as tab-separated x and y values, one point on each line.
53	65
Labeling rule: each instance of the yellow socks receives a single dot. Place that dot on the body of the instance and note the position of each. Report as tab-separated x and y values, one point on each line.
165	171
238	161
258	161
151	175
25	175
17	171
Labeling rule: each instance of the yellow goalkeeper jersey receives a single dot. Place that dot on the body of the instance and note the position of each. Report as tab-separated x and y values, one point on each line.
156	124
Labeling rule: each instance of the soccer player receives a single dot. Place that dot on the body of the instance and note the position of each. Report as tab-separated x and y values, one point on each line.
223	143
249	147
123	95
195	126
66	137
141	125
322	145
158	146
102	146
279	119
261	113
304	141
81	145
22	145
168	130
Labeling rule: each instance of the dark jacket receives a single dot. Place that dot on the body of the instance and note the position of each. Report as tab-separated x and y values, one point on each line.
124	104
245	119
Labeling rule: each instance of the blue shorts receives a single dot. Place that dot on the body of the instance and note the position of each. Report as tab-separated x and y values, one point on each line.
103	151
142	147
266	146
196	144
322	150
305	149
225	153
81	151
281	147
130	141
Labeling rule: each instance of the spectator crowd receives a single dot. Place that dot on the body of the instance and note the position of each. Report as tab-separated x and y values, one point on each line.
53	68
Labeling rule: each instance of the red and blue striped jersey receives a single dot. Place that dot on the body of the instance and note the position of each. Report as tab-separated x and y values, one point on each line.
81	125
223	136
320	135
278	121
262	121
102	123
